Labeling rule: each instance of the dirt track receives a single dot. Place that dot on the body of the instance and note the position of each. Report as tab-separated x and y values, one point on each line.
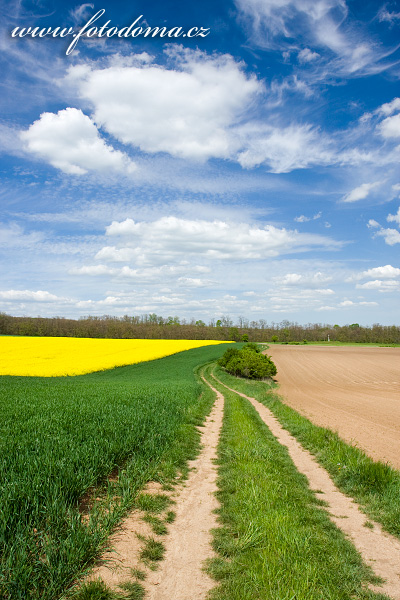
354	391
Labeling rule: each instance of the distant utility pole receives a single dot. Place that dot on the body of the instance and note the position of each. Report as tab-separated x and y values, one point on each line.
328	338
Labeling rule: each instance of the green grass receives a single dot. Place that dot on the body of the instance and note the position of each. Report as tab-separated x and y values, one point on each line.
152	550
158	525
94	590
153	503
373	484
98	590
275	542
61	438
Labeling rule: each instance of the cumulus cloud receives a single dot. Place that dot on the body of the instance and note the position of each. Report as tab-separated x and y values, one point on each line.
304	219
391	236
28	295
297	279
394	218
306	55
390	285
390	127
186	110
171	238
360	192
70	141
385	272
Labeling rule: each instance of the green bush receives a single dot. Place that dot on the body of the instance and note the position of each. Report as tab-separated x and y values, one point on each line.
248	362
226	357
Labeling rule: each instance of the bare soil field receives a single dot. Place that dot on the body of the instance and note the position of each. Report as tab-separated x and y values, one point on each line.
354	391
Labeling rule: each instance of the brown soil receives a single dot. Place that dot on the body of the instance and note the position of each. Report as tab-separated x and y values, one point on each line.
354	391
378	549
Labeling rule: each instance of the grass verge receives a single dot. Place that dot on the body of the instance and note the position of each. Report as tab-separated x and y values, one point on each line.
375	486
275	542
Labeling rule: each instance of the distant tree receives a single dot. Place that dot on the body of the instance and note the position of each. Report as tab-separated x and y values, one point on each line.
234	334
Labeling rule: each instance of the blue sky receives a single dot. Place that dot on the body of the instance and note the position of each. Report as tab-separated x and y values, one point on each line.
252	172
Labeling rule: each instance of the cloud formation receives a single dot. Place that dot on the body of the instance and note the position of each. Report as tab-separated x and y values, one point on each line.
70	141
391	236
170	238
185	110
360	192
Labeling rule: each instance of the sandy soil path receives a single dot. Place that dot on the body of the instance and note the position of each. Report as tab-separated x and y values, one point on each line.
188	544
354	391
379	550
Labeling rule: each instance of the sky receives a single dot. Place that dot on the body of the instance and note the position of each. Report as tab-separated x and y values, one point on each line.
201	159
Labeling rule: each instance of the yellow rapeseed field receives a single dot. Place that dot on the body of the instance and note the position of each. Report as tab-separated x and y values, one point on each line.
58	356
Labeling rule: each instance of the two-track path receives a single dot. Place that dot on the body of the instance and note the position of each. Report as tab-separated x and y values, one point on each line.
181	576
379	550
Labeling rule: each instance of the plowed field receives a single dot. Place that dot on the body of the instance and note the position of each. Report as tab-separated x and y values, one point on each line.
354	391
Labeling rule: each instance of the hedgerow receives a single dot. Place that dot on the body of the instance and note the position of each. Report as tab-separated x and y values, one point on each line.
248	362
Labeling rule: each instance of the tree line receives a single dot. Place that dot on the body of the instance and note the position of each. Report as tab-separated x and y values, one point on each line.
152	326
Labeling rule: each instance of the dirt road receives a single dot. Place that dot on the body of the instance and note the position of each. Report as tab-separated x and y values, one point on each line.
352	390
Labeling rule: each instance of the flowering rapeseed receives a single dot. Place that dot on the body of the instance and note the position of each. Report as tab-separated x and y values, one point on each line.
58	356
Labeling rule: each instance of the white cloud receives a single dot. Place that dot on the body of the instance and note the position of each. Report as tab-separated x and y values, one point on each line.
394	218
69	141
321	23
81	13
304	280
349	303
385	15
283	149
390	285
360	192
304	219
306	55
28	295
372	224
391	236
389	107
13	235
171	238
186	110
113	254
385	272
194	282
93	270
390	127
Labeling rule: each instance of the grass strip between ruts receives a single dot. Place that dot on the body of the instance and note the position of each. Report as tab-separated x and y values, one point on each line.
275	541
374	485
